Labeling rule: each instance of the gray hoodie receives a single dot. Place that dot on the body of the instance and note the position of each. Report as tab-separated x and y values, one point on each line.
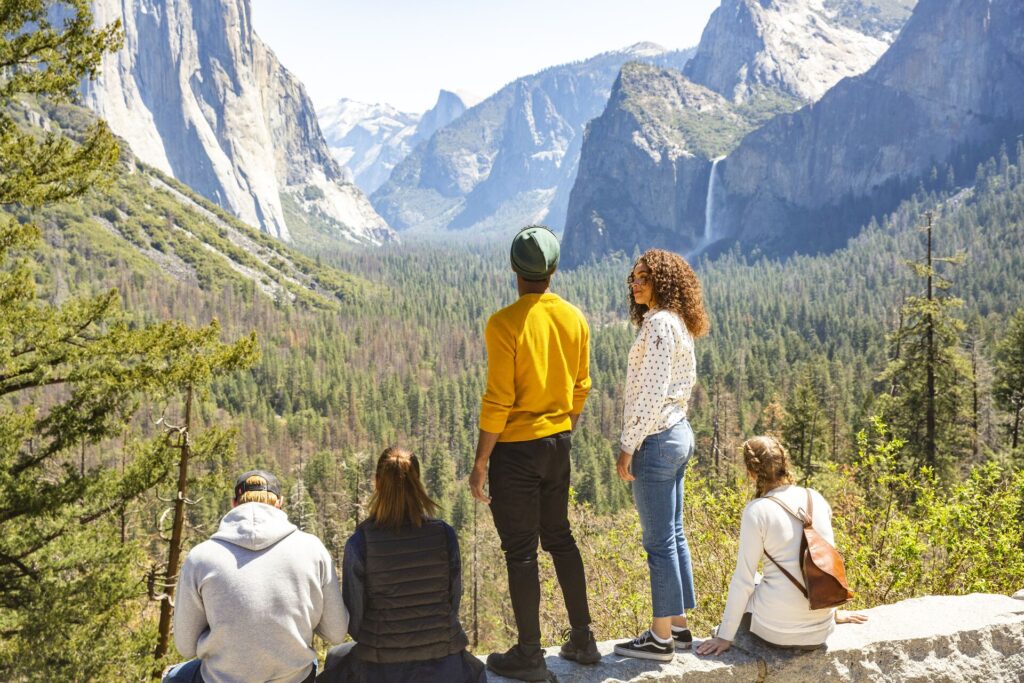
250	598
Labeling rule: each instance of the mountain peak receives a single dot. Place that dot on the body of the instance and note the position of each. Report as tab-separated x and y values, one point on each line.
798	47
644	49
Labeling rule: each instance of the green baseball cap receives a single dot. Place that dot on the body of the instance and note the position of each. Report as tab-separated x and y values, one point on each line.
534	252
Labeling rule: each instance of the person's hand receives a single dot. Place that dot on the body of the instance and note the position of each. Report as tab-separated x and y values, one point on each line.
844	617
623	466
476	483
714	646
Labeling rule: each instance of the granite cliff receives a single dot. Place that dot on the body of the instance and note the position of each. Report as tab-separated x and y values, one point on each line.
763	58
198	95
794	46
947	94
512	158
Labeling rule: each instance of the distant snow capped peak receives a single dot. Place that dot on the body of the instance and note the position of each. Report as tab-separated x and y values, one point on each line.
340	118
371	139
644	49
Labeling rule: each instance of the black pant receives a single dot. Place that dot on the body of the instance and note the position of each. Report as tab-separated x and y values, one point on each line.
529	487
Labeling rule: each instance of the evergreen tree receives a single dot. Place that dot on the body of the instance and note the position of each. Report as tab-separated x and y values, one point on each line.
804	426
1009	374
928	404
71	377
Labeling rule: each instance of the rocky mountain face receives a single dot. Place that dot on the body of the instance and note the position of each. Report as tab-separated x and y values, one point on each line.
793	46
511	159
763	58
644	168
947	94
198	95
371	139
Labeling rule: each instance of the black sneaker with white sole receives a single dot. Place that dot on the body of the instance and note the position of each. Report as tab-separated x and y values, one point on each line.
646	647
683	638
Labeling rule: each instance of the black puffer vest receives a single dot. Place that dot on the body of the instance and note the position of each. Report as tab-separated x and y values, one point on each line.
408	613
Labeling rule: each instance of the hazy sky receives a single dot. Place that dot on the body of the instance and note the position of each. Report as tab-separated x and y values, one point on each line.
403	51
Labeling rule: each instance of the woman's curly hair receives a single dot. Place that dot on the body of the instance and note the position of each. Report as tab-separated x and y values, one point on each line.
676	288
768	461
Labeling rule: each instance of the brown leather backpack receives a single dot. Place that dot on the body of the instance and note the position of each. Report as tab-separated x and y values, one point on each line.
820	563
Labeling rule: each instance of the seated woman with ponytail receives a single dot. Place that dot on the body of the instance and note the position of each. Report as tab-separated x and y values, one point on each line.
401	582
775	610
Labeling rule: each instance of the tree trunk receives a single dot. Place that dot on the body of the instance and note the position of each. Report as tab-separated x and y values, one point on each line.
476	603
177	531
930	448
1016	426
975	438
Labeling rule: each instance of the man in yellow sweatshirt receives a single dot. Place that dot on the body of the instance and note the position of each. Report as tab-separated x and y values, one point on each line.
538	377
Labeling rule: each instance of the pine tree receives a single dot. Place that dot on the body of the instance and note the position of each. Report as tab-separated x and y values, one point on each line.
928	403
804	426
1009	374
71	377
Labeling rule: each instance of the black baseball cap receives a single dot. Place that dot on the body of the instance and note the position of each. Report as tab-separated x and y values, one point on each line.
270	483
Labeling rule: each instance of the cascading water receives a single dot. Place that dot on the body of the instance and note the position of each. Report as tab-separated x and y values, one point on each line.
709	205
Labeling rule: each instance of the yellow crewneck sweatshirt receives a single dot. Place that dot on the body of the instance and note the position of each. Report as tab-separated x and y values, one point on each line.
538	368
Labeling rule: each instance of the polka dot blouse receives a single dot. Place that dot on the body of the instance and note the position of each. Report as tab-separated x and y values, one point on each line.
660	375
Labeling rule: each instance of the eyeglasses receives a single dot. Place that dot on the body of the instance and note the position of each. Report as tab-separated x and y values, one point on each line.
641	281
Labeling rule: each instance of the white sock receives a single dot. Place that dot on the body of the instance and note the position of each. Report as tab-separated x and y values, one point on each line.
679	629
663	641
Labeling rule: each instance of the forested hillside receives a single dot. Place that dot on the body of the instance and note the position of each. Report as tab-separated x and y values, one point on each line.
798	347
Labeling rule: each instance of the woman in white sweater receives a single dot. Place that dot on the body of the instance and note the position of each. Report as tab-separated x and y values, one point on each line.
778	612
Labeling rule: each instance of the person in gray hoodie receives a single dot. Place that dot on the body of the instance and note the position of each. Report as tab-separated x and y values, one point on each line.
250	598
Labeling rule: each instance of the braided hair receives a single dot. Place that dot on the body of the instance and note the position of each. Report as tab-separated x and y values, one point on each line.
768	462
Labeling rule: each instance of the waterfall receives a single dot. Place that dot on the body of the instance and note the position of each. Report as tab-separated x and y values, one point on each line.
709	205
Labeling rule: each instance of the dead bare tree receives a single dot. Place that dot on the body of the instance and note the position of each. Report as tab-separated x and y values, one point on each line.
181	436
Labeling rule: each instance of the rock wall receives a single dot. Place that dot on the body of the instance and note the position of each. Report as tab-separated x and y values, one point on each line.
936	639
794	46
198	95
644	169
759	58
511	159
946	95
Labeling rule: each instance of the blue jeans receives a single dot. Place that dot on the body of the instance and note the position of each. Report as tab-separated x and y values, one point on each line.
659	466
188	672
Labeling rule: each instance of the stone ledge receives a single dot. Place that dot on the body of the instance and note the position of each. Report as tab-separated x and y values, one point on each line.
976	637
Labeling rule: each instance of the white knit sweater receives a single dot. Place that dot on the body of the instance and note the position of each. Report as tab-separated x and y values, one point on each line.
779	611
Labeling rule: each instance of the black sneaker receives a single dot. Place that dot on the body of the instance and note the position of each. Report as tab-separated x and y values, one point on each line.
683	638
579	646
516	664
646	647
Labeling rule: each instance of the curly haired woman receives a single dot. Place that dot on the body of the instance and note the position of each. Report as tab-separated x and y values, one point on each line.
657	442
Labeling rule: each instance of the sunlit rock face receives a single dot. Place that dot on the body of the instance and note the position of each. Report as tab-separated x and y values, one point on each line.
645	169
946	95
795	46
511	159
198	95
975	638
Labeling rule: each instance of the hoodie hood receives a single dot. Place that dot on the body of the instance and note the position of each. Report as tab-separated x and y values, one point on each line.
254	526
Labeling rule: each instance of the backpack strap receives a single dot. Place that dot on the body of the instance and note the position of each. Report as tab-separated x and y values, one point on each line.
788	575
804	518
